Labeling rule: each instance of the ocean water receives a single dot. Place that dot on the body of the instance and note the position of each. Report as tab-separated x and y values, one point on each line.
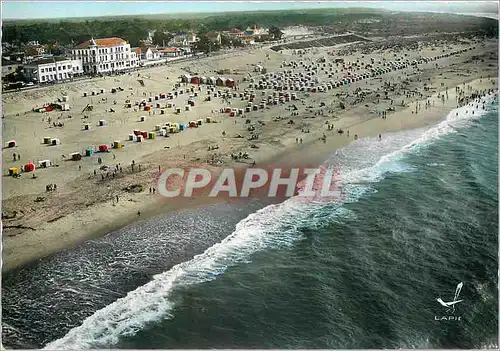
418	215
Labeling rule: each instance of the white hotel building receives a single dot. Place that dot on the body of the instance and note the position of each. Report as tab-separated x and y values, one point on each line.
105	55
53	69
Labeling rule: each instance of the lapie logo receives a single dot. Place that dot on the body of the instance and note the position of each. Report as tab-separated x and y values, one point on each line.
450	306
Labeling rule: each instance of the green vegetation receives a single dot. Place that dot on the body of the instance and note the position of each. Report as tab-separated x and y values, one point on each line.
368	22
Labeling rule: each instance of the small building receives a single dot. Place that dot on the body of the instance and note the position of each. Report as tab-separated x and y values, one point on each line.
186	78
50	69
9	67
183	39
171	52
215	38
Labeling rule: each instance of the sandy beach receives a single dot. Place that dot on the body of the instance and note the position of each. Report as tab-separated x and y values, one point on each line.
37	223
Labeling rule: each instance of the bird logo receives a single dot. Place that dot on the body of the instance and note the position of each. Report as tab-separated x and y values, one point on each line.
451	305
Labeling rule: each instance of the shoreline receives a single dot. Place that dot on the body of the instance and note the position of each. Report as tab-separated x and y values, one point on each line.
90	223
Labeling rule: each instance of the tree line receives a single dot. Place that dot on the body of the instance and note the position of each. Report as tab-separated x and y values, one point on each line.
134	29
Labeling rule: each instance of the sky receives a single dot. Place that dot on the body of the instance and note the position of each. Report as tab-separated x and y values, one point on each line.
14	9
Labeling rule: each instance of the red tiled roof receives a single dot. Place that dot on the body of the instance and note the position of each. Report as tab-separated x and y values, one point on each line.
104	42
169	50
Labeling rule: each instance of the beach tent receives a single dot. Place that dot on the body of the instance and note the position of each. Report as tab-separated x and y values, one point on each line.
212	80
137	132
86	126
85	94
89	152
29	167
200	122
65	98
187	107
117	145
182	127
230	82
193	124
131	137
103	148
65	107
195	80
139	138
144	135
44	163
185	78
48	108
103	91
178	110
11	143
46	140
14	171
55	141
147	108
102	122
142	118
209	120
151	135
157	127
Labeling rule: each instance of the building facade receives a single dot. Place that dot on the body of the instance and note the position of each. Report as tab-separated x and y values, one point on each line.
106	55
9	67
183	39
53	69
214	38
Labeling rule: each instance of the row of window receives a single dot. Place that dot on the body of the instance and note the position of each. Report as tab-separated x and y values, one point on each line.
117	65
53	69
111	57
87	52
50	77
117	49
